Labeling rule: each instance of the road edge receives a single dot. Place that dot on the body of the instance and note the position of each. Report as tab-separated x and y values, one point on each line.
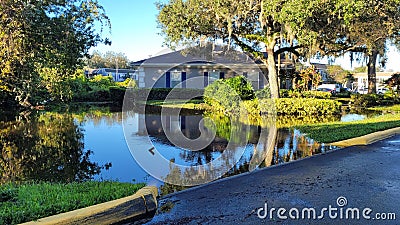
367	139
137	206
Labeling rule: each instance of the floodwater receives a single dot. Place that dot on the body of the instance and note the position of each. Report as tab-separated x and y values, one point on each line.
136	147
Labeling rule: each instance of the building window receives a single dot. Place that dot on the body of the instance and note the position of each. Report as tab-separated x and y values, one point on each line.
254	78
176	79
213	76
364	82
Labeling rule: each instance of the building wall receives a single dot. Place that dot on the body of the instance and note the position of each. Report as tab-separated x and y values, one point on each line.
196	77
362	80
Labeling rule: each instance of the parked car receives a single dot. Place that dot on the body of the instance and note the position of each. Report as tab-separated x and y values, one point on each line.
362	91
334	87
326	90
382	91
378	90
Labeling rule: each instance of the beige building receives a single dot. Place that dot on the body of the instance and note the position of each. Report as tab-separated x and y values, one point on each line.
361	81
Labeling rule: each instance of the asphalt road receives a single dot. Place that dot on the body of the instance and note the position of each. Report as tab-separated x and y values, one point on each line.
363	180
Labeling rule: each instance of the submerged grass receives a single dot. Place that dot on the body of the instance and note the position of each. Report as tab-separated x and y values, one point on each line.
338	131
393	108
26	202
180	104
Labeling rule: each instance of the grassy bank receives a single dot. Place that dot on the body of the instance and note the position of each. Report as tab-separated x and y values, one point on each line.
22	203
179	104
338	131
393	108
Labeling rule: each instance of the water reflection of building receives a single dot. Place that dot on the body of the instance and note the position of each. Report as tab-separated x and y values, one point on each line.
158	125
264	147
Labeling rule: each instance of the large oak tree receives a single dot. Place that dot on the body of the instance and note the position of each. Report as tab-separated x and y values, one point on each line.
256	26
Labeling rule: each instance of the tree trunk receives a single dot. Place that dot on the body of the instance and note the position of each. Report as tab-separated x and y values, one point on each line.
372	72
272	73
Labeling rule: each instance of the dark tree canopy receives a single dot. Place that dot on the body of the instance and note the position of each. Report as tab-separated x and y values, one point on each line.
44	34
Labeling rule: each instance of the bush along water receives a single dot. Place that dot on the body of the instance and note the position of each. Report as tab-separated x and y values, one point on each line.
303	106
369	100
236	95
225	95
78	88
99	89
304	94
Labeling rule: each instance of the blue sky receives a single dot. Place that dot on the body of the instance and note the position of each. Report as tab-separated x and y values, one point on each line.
134	32
134	28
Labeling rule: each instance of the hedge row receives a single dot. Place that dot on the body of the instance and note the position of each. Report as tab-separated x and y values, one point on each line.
114	94
304	94
284	106
369	100
300	106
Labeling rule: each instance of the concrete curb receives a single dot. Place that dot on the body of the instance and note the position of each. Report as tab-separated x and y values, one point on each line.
127	209
368	139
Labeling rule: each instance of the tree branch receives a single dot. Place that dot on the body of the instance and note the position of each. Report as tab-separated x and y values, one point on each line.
289	49
242	44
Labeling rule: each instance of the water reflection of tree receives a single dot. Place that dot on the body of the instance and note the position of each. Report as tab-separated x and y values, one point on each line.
46	147
272	144
264	149
97	114
292	145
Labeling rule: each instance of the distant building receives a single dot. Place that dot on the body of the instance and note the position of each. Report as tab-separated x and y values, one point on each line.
321	69
361	81
117	74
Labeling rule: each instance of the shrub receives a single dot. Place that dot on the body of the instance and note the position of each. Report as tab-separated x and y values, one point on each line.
284	93
97	96
365	100
343	94
263	93
101	82
251	106
226	94
221	97
241	86
117	93
98	89
316	94
294	94
301	106
127	83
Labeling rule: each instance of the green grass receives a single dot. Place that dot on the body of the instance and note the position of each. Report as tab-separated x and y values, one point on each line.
26	202
179	104
338	131
393	108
